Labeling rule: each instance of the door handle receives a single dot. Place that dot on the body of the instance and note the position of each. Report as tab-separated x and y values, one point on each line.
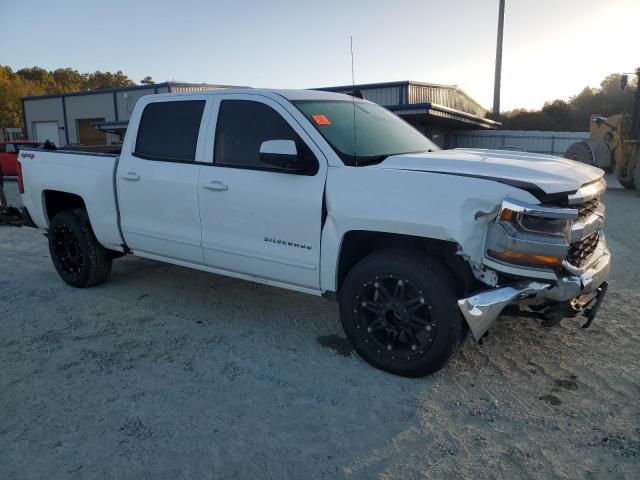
216	186
133	176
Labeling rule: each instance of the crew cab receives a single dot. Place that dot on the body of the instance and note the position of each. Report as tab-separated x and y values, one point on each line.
332	195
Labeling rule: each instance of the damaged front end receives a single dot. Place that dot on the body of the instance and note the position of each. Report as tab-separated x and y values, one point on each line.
552	261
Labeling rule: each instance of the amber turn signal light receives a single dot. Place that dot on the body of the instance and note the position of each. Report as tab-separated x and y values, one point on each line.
526	259
508	215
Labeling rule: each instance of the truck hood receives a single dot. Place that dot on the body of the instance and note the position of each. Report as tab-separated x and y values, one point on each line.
530	171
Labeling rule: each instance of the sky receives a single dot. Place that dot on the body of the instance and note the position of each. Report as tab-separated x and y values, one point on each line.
552	48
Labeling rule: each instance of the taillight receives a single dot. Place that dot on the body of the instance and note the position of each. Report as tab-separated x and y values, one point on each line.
20	182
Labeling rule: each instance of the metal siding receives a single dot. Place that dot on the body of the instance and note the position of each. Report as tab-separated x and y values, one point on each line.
127	100
450	97
553	143
99	105
384	95
44	110
195	88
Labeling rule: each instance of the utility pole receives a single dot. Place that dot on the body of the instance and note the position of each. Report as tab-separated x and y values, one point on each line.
496	82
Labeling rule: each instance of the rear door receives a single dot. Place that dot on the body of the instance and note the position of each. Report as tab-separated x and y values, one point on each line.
158	179
259	220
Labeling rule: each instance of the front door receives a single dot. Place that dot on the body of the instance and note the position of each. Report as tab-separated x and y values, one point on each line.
158	181
257	219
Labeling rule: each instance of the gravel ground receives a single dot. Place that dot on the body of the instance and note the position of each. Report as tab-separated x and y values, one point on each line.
165	372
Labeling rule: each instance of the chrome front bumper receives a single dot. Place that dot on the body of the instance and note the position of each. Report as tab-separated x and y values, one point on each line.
482	309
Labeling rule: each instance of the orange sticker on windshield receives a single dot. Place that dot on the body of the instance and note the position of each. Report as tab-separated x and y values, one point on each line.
321	119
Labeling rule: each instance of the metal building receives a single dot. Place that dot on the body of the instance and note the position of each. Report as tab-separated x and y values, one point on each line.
93	117
438	111
99	117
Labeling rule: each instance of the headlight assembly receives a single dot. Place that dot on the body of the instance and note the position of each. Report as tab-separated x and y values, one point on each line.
533	235
536	224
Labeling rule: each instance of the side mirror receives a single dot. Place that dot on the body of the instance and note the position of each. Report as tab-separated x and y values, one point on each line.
281	153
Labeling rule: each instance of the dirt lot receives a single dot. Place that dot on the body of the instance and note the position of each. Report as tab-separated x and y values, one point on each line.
165	372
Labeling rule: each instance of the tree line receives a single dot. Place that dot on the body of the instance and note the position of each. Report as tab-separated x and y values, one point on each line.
574	115
38	81
559	115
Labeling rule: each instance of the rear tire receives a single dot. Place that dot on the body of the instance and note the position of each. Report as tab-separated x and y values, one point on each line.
399	310
76	254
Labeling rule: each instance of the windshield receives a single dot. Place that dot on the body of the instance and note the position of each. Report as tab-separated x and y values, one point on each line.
378	133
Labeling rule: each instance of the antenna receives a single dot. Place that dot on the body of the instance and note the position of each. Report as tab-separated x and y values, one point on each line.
353	99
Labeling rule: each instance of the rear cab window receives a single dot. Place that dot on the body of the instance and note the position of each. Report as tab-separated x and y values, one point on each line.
168	131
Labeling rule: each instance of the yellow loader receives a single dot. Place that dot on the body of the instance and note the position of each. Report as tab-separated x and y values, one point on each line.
614	143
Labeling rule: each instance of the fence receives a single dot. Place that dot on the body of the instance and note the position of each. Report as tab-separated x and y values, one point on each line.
11	134
553	143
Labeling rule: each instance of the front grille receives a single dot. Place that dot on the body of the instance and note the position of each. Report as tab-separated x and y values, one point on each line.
587	208
579	252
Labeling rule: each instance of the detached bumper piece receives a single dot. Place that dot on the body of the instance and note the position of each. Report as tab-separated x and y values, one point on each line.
591	309
481	310
569	296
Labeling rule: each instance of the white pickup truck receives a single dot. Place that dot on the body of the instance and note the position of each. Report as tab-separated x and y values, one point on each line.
336	196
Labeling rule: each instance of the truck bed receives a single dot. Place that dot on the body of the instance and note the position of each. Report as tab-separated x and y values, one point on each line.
90	176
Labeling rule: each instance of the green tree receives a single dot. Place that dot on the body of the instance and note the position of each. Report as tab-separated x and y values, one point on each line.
12	88
38	81
529	120
37	76
147	80
575	114
68	80
561	112
98	80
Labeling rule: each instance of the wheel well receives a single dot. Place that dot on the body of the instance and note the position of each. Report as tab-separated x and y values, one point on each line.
56	201
357	244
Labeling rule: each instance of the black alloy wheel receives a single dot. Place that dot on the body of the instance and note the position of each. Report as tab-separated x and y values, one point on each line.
395	317
399	310
77	255
68	250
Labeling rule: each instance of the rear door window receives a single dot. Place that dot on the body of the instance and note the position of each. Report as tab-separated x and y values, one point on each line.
169	131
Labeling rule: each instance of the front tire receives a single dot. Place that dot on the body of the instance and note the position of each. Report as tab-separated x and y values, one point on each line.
76	254
399	310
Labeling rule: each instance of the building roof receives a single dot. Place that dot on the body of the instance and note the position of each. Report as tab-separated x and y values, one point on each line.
172	86
409	97
415	101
